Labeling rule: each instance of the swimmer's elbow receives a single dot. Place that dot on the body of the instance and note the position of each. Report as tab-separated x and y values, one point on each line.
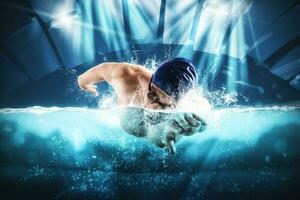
135	130
93	75
81	81
132	122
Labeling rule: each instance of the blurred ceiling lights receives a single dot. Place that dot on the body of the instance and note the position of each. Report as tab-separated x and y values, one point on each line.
234	8
65	20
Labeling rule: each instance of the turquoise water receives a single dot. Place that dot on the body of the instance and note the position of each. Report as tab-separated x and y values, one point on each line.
252	142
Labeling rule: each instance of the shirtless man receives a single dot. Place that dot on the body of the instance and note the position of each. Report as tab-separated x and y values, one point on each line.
139	87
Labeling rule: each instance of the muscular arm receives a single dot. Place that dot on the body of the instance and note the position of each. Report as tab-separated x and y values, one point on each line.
142	122
161	128
137	121
103	72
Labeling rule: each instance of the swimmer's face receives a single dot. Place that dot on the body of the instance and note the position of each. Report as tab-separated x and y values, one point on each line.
159	99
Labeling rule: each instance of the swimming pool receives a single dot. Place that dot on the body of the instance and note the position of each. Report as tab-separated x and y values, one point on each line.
83	153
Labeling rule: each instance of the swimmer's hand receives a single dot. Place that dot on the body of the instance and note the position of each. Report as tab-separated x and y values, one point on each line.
171	134
181	124
190	123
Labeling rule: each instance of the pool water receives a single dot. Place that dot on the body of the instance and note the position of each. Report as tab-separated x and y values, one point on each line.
83	153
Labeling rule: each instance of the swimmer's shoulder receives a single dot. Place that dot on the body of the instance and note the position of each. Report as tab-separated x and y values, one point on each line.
127	69
119	69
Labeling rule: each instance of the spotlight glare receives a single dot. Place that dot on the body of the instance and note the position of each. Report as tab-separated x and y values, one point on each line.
233	8
212	6
66	21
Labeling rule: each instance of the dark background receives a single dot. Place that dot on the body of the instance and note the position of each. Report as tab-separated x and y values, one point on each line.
39	63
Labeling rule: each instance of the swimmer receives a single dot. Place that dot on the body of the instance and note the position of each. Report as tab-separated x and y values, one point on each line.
143	92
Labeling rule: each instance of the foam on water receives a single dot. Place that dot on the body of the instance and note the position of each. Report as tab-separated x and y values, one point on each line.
81	124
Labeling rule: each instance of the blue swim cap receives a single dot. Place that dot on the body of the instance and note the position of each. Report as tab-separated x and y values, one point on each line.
175	77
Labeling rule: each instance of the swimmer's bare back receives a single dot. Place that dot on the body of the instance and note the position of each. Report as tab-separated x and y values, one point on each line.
163	129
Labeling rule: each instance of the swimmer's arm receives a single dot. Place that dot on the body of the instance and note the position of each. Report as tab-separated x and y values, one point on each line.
132	121
159	131
138	121
163	127
104	72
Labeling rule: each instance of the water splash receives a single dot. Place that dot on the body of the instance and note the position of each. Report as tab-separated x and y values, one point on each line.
91	143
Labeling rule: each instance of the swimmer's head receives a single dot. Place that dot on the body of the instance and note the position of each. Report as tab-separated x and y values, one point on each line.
174	77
